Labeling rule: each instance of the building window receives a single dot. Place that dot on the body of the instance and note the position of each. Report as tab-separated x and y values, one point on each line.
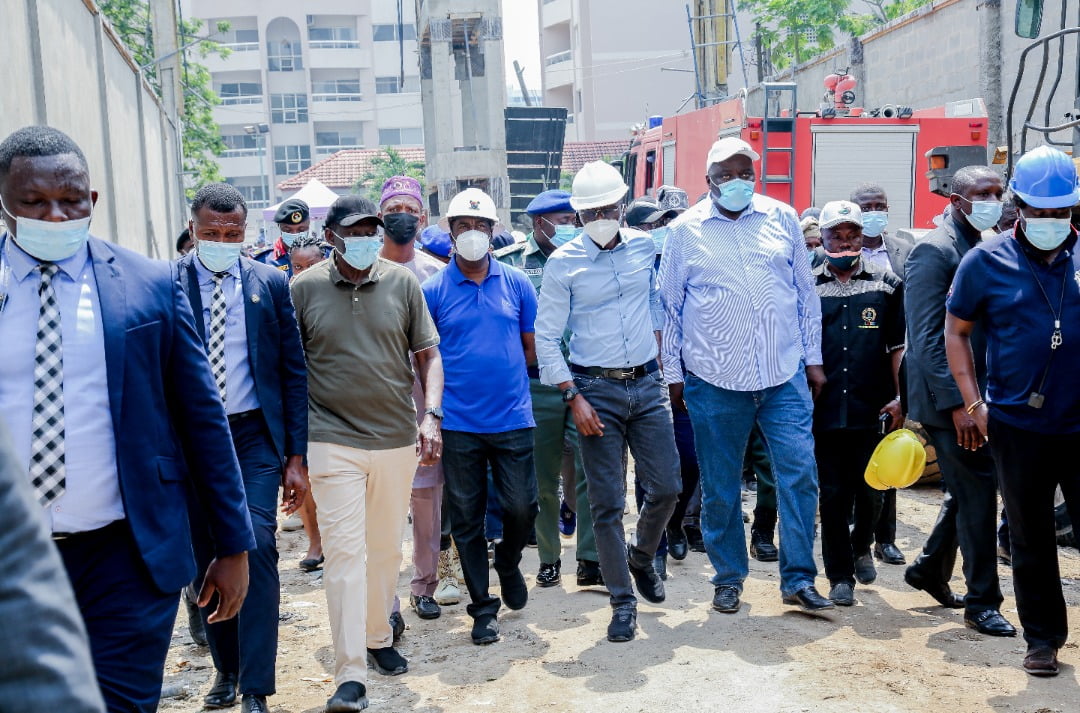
332	38
254	195
242	40
289	160
327	142
288	108
284	56
389	33
336	90
401	137
392	85
237	145
240	93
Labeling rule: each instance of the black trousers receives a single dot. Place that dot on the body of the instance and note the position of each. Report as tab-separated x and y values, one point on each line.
842	455
969	520
1029	467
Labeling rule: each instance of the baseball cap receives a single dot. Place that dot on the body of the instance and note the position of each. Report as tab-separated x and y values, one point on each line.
727	147
644	210
836	212
349	210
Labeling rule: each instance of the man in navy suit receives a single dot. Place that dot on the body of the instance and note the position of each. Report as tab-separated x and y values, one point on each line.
107	392
245	317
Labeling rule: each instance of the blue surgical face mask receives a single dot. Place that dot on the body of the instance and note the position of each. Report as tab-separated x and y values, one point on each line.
735	194
290	238
660	236
984	214
360	252
874	222
564	234
48	241
217	256
1046	233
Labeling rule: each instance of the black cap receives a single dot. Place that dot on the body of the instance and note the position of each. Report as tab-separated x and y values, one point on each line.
349	210
292	212
644	210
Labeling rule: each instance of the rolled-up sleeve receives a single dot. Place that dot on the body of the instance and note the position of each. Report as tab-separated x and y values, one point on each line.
672	289
551	317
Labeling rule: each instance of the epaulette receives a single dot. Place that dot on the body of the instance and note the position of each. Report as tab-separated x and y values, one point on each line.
511	249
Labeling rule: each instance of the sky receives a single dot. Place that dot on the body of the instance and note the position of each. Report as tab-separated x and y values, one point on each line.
521	40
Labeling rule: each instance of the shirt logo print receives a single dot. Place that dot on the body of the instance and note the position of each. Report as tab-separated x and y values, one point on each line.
869	318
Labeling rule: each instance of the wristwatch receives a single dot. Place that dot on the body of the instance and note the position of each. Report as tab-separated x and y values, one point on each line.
435	411
569	394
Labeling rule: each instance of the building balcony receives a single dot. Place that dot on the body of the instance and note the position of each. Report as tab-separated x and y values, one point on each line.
236	163
326	150
559	69
240	112
555	12
244	56
337	107
338	55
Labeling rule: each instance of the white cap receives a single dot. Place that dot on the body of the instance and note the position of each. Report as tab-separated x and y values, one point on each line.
472	202
727	147
596	185
836	212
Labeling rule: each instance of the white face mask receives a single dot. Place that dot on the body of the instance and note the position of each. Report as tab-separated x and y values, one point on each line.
602	231
472	245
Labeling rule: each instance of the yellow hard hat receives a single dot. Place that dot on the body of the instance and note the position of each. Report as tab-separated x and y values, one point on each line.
897	462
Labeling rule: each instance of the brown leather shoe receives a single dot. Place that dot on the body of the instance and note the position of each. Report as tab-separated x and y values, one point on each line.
1041	661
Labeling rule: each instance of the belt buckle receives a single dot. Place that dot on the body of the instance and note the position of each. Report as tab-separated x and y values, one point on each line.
60	536
626	373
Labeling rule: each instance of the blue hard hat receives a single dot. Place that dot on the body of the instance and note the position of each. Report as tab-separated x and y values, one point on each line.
1046	178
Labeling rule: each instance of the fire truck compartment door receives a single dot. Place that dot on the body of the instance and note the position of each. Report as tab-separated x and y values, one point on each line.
668	175
845	156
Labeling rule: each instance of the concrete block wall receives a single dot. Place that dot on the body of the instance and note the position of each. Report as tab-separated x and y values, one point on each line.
68	71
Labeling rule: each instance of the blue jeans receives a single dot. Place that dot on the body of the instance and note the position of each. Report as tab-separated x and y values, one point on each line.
722	422
635	413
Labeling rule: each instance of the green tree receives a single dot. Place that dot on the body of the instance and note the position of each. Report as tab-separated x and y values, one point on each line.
383	166
200	135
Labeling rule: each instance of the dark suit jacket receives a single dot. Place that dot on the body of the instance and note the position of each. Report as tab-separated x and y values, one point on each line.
274	349
170	426
932	392
47	658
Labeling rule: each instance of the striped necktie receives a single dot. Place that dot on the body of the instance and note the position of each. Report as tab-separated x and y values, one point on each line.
47	469
215	347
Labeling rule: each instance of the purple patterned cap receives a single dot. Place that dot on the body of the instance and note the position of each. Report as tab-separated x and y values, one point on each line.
401	186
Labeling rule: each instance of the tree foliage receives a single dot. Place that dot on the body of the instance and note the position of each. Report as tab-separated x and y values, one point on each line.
383	166
794	31
200	135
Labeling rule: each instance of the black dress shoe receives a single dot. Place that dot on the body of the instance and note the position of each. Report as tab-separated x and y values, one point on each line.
808	599
649	584
588	574
425	607
515	593
194	620
1041	661
350	696
677	544
989	622
940	591
485	630
761	546
254	704
865	571
387	661
660	565
726	599
889	553
842	594
397	625
312	564
550	575
623	625
223	694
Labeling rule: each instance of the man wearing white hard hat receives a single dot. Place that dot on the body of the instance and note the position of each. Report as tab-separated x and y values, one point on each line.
744	318
603	285
1023	287
484	311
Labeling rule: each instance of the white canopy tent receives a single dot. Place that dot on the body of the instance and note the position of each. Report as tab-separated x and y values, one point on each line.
315	193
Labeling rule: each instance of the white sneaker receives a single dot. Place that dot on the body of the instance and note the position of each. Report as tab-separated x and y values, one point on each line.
292	523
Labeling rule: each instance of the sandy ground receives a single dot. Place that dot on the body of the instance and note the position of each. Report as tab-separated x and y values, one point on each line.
894	651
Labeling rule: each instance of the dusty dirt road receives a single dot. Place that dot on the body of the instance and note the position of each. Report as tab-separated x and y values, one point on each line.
894	651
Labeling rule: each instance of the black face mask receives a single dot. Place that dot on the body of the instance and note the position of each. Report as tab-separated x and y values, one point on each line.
401	227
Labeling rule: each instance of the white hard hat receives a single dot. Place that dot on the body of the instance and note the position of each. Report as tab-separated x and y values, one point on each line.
597	184
472	202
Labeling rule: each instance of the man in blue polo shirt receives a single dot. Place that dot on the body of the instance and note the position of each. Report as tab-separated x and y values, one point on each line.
1024	287
484	312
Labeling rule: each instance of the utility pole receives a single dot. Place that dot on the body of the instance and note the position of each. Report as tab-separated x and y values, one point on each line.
166	32
520	72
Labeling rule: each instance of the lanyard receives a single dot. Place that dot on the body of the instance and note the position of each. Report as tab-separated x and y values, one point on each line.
1035	400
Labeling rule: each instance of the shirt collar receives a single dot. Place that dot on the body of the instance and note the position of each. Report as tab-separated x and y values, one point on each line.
824	274
338	279
592	250
534	247
494	269
22	263
206	277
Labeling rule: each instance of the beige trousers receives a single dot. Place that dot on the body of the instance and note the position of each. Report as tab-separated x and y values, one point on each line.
362	499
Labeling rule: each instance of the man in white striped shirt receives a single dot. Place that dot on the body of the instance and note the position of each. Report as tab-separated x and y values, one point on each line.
744	320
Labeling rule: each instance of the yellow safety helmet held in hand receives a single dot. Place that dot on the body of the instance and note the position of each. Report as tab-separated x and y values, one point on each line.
897	462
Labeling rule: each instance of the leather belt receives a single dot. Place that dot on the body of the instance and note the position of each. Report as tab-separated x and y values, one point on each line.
86	534
243	415
622	373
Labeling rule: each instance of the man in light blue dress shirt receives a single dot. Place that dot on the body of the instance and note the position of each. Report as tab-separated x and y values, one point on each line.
603	284
744	317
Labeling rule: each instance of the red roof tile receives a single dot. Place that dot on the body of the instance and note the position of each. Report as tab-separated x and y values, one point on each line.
577	153
341	170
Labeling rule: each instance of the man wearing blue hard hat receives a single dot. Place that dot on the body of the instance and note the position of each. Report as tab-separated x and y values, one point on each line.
554	223
1023	288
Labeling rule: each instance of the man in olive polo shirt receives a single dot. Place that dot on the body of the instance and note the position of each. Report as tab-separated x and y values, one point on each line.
360	318
554	223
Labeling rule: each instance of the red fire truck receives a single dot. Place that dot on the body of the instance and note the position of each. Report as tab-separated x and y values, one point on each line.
809	158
